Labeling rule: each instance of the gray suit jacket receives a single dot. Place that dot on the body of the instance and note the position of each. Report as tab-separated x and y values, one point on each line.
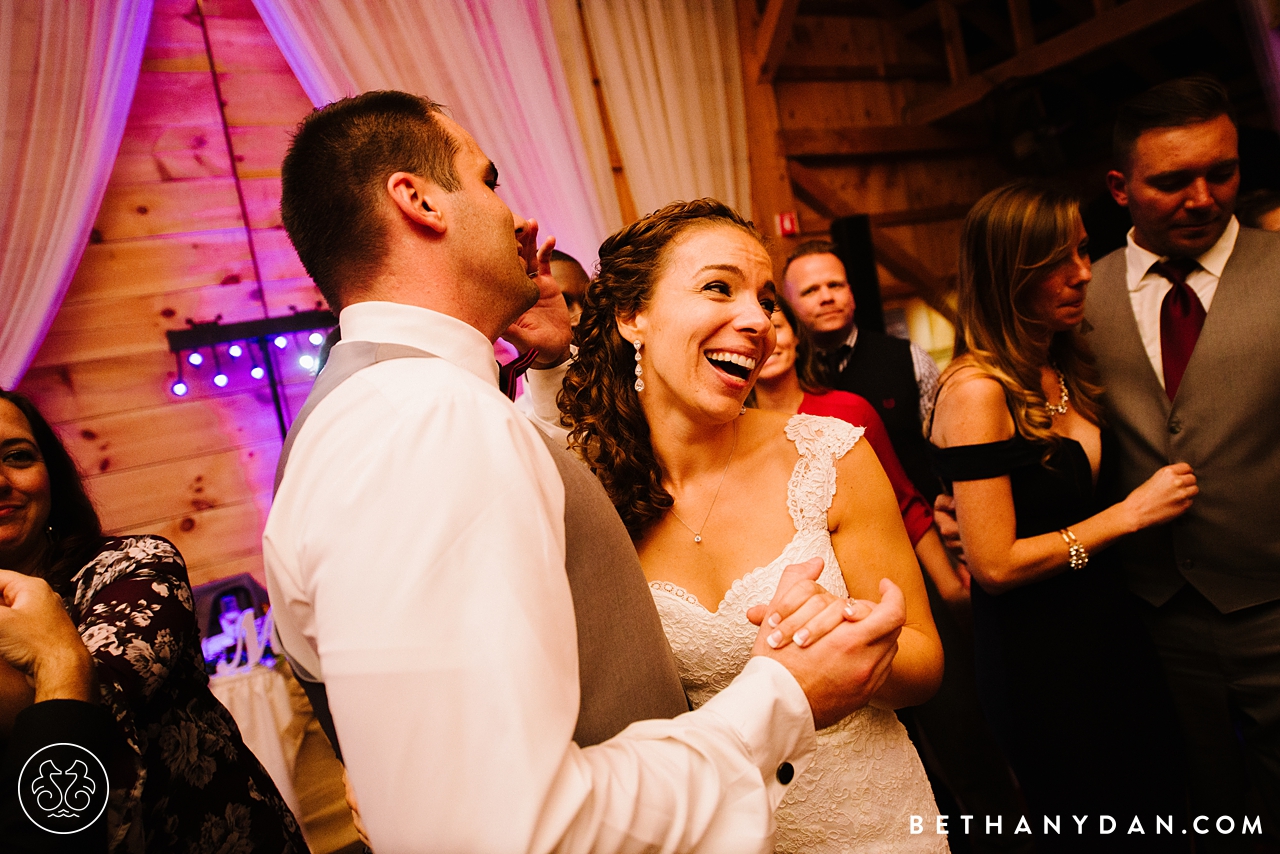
1224	422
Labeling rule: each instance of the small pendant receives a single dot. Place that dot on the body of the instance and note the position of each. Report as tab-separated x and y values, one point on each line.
697	538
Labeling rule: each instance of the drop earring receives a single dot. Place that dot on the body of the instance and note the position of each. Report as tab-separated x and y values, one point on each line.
639	370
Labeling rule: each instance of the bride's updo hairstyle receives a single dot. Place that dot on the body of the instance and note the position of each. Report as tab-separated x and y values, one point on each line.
1011	239
599	402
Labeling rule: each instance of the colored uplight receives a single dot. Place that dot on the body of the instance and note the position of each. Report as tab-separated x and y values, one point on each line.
316	338
257	373
179	388
220	380
195	359
281	342
307	361
235	351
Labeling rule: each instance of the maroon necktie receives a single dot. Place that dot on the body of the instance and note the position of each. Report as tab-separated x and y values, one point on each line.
513	370
1181	318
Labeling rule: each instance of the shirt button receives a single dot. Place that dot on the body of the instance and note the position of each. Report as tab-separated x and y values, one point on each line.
786	773
1175	426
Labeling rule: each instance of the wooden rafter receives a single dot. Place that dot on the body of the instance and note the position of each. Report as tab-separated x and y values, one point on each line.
876	140
1024	34
840	73
890	253
1105	29
953	40
772	36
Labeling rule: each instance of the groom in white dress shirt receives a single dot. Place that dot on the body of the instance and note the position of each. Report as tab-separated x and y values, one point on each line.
415	551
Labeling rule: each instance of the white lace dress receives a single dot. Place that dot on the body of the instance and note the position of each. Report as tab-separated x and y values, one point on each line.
866	781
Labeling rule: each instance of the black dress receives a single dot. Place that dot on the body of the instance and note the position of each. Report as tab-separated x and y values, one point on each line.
1067	676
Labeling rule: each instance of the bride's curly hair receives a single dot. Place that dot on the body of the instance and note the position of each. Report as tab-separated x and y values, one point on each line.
599	402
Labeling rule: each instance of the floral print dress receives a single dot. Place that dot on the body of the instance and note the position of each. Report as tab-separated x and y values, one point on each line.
195	787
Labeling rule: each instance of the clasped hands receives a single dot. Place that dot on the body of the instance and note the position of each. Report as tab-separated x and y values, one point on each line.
840	650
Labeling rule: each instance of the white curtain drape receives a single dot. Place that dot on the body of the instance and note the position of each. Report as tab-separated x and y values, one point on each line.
493	63
673	85
69	73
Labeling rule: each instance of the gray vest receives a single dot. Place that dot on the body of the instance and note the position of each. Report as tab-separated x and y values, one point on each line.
1224	422
626	671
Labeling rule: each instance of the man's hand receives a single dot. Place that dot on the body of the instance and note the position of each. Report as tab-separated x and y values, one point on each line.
39	639
944	516
841	671
545	327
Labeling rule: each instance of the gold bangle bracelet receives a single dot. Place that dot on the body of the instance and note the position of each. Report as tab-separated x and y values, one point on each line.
1077	555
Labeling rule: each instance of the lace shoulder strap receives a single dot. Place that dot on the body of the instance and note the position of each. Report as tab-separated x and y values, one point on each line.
821	441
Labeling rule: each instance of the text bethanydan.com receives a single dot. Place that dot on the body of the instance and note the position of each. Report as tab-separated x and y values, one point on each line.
1081	825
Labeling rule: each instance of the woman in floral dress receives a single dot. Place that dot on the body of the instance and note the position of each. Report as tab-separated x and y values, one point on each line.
189	783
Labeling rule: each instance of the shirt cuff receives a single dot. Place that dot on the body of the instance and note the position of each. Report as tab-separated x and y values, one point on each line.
543	386
767	707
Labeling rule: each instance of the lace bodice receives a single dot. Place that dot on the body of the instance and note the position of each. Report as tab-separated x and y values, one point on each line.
866	780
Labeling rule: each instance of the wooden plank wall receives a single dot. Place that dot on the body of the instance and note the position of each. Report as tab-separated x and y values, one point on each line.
840	92
169	244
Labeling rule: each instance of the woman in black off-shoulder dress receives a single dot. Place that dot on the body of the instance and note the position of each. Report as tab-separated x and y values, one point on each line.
1066	673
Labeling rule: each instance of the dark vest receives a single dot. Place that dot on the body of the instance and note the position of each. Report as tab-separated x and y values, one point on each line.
626	671
1224	422
880	369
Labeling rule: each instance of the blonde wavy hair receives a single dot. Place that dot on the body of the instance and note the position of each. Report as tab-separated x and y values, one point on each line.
1012	238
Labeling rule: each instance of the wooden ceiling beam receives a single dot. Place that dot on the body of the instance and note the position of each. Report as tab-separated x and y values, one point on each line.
953	41
875	140
773	34
895	258
1107	28
841	73
1024	32
826	201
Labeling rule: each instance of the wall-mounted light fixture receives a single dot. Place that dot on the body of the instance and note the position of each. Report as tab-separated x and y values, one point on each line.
257	339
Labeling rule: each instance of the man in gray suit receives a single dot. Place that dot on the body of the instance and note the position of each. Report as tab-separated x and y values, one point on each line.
1185	324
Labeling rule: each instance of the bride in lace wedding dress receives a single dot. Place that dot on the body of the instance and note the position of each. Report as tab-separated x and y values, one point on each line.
675	328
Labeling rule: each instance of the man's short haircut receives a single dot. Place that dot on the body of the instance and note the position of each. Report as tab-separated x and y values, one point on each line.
1252	207
557	255
809	247
1174	103
334	178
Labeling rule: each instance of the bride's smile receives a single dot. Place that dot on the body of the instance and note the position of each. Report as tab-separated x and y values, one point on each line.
707	329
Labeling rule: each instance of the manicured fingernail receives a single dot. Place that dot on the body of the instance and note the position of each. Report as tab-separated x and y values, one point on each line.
774	639
774	619
848	609
801	637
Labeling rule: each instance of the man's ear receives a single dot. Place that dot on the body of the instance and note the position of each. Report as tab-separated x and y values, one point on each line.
416	199
1119	187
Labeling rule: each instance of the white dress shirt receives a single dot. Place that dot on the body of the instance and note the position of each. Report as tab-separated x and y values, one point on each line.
415	558
1147	289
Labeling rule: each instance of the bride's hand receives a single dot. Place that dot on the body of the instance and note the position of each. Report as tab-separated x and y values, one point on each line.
802	610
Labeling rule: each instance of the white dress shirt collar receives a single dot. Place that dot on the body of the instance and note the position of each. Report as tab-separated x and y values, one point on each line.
1138	261
445	336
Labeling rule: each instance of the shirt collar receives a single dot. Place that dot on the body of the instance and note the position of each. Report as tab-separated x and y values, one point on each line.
1138	261
853	336
445	336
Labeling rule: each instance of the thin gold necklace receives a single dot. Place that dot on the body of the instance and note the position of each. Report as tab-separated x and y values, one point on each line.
697	535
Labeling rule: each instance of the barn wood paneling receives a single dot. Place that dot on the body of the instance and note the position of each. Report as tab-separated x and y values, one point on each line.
169	244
